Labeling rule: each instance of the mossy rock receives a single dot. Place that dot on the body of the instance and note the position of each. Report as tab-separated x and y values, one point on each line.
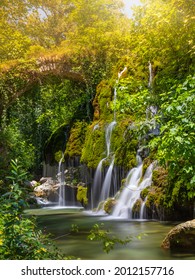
160	177
82	195
109	205
137	206
124	144
76	139
155	197
146	163
156	193
94	146
102	101
144	193
181	237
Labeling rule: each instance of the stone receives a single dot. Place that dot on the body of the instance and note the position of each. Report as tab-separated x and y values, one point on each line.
181	237
47	189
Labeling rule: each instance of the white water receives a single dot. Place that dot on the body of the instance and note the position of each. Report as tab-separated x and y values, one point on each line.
107	182
61	180
121	73
143	208
131	192
109	130
150	75
97	183
115	98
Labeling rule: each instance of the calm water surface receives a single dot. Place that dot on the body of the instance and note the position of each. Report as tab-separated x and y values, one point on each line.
58	222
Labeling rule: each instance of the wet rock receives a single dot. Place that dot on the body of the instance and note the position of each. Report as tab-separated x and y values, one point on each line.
181	237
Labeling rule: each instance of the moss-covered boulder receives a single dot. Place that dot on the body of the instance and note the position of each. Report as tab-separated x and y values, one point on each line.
109	205
82	194
181	237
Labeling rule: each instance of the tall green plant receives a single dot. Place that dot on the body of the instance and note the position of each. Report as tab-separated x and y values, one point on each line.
19	236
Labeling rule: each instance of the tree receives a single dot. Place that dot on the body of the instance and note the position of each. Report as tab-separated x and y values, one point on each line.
165	37
175	145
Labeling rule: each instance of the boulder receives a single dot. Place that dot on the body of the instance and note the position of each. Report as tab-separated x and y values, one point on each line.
181	237
47	190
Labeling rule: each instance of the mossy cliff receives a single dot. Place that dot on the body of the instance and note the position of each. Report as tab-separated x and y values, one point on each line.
123	142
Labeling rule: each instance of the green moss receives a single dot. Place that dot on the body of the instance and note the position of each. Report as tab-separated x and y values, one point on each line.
144	193
102	101
137	206
82	195
155	198
146	162
156	193
125	145
160	177
76	139
94	147
109	204
58	156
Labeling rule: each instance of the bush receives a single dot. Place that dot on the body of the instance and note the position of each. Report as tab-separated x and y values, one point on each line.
19	236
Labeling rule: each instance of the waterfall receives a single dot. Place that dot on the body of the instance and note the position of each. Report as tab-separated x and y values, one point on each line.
131	192
150	75
142	209
122	72
115	97
108	136
61	180
100	186
97	183
107	182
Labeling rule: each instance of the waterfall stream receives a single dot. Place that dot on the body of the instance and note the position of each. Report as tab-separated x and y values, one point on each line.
109	130
99	183
131	192
107	182
61	180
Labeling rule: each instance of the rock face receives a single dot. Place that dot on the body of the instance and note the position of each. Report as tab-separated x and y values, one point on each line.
181	237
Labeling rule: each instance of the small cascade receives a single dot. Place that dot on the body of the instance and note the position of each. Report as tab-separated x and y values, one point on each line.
67	191
122	72
108	136
107	182
97	183
142	209
131	192
61	180
115	97
150	75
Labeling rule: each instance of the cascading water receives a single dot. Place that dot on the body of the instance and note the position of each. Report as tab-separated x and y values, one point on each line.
107	182
61	180
131	192
142	209
108	136
150	75
98	183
